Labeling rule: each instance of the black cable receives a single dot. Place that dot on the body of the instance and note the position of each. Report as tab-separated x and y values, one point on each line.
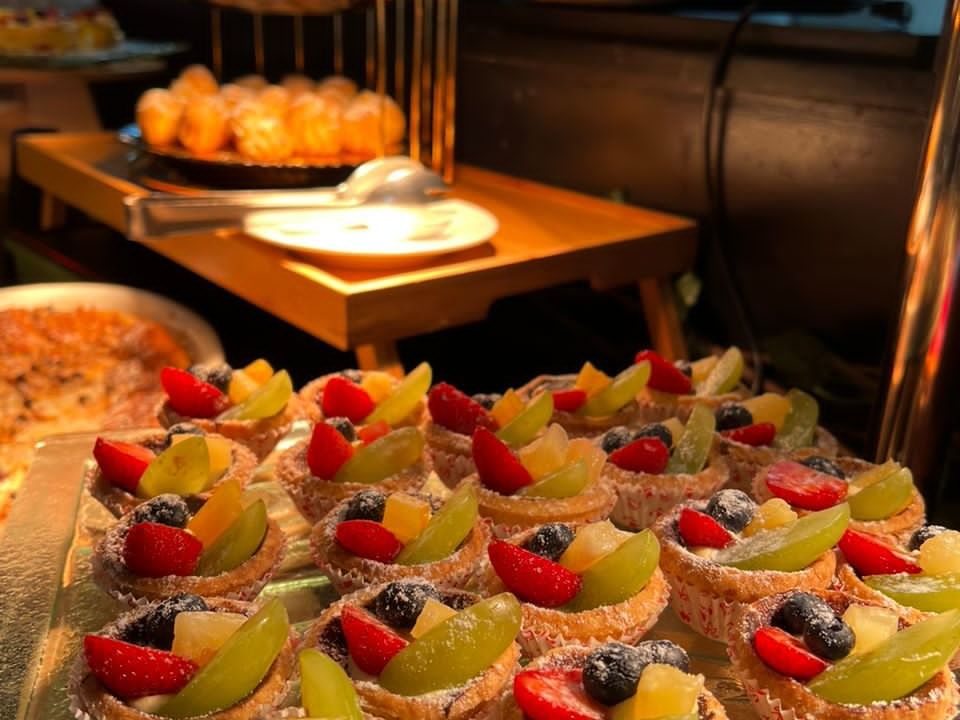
713	178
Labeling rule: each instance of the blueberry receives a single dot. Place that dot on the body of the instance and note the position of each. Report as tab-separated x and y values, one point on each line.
732	508
684	366
366	505
155	629
732	415
216	374
611	673
656	430
664	652
829	637
354	376
924	534
550	541
167	509
823	465
399	604
343	426
616	438
799	610
487	400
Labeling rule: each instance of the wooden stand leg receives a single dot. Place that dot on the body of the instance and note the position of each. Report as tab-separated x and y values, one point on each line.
53	213
663	322
379	356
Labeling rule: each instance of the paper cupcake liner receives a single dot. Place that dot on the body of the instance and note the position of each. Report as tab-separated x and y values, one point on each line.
640	504
534	643
348	581
709	615
766	705
450	467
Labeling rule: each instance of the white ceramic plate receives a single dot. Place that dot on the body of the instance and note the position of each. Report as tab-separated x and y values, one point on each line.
377	235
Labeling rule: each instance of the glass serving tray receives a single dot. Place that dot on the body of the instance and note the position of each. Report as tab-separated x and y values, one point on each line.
49	599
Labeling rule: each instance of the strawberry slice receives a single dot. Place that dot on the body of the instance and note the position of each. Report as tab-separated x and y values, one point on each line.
753	435
664	375
328	451
787	655
555	695
155	550
804	487
457	411
569	400
132	671
371	643
373	431
871	556
499	469
700	530
368	539
343	398
122	463
190	396
531	577
643	455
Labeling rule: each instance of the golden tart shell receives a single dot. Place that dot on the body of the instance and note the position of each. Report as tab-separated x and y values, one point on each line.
578	425
747	460
311	396
656	406
450	453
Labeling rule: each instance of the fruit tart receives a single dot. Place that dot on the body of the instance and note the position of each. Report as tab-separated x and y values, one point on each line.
454	416
184	460
552	478
163	547
803	655
186	657
591	402
615	681
375	537
726	553
883	499
254	406
759	431
582	584
338	461
659	465
675	388
414	650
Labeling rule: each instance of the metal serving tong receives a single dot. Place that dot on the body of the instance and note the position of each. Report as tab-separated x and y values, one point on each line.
397	180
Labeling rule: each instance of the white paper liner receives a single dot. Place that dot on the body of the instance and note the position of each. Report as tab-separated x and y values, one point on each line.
347	581
766	705
641	503
710	616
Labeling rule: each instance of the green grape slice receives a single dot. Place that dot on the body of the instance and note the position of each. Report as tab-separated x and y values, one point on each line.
326	689
565	482
619	575
445	531
693	449
237	543
383	457
528	422
266	401
790	547
621	390
237	668
800	425
896	667
884	498
725	375
930	593
405	396
456	650
183	469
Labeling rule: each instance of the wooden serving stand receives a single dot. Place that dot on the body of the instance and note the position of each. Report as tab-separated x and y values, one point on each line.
547	237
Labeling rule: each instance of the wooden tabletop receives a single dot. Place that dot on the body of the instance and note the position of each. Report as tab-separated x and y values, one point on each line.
547	237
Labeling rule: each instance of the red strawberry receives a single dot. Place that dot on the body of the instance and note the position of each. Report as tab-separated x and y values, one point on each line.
155	550
328	451
132	671
190	396
370	642
368	539
700	530
754	435
499	469
343	398
531	577
121	463
664	375
871	556
804	487
555	695
457	411
643	455
569	400
374	431
787	655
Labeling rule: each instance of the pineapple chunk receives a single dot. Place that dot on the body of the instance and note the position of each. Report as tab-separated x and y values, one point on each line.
406	516
772	514
700	369
198	635
675	427
593	542
434	487
241	387
663	691
874	475
218	513
769	407
434	612
379	385
941	554
259	371
592	455
149	703
219	452
507	407
871	626
591	380
546	454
